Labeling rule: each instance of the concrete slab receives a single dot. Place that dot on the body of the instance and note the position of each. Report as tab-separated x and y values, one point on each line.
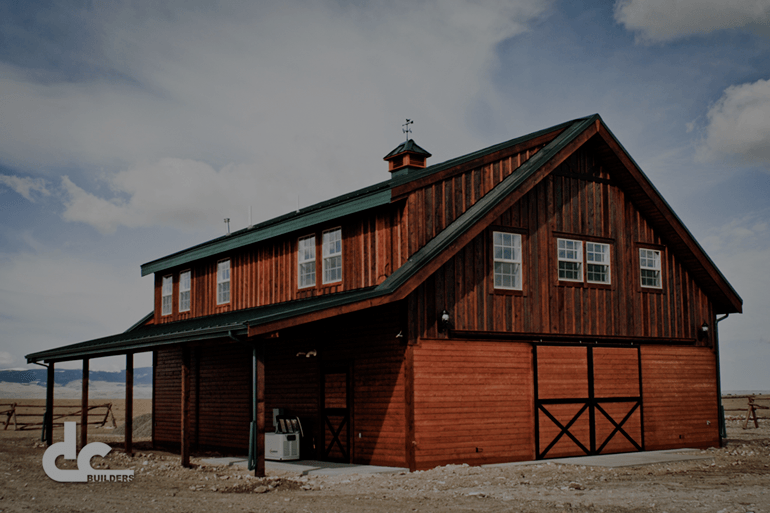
310	467
326	468
628	459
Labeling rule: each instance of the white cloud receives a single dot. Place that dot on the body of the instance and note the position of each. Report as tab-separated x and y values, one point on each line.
179	193
665	20
25	185
270	89
6	359
54	299
739	124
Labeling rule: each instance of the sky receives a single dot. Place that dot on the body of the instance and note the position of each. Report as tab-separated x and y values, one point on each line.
130	130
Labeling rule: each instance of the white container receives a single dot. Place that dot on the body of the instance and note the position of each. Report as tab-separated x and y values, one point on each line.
281	446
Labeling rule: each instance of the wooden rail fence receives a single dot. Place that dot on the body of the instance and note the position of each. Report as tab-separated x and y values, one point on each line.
751	409
11	411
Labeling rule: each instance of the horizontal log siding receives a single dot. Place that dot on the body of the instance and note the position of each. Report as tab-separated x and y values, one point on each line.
365	340
266	273
470	395
563	204
220	395
680	397
222	380
167	388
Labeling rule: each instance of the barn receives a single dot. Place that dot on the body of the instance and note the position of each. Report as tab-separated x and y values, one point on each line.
530	300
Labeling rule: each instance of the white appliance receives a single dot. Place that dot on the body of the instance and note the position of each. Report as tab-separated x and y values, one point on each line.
284	443
281	446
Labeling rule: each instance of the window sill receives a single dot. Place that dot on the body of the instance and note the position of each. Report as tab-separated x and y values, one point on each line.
651	290
507	292
584	285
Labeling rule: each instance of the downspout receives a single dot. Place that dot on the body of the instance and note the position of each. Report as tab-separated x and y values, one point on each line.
722	423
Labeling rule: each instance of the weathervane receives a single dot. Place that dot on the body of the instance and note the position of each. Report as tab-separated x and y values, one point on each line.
406	128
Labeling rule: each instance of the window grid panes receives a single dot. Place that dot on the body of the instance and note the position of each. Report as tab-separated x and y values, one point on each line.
184	291
332	256
306	261
507	259
166	295
649	262
597	262
223	282
570	256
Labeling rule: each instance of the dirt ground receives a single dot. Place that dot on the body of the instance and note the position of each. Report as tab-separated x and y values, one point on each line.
738	480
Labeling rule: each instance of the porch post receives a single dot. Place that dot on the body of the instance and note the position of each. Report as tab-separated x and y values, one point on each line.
185	427
259	406
129	425
49	404
84	407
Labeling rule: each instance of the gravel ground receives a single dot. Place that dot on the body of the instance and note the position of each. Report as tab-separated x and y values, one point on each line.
738	480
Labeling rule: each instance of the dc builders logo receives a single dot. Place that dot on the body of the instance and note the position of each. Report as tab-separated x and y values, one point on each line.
84	473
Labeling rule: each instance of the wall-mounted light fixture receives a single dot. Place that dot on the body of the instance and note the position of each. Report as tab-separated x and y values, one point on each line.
309	354
443	321
703	331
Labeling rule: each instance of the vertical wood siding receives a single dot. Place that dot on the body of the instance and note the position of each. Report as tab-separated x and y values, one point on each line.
574	201
680	397
266	273
469	397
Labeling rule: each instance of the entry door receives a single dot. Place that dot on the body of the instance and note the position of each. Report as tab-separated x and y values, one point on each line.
588	400
335	391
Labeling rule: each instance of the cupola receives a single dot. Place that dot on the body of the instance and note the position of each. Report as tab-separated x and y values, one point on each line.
405	157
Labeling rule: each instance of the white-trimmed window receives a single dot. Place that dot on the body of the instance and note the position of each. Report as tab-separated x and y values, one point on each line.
306	261
649	264
597	262
184	291
223	282
570	256
167	294
507	260
332	255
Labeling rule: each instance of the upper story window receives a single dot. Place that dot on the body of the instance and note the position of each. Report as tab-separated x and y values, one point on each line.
332	256
184	291
570	254
223	282
507	260
573	254
167	293
598	262
306	261
649	264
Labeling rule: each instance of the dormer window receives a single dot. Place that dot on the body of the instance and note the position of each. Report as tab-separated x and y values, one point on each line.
306	261
223	282
332	256
167	295
184	291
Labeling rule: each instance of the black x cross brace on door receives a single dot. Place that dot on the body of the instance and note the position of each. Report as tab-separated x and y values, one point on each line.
588	400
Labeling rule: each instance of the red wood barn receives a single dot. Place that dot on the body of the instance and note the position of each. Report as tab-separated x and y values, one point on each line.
534	299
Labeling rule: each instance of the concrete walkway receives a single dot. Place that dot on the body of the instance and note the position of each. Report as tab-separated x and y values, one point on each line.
310	467
325	468
627	459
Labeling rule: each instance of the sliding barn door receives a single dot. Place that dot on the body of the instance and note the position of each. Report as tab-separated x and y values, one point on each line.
588	400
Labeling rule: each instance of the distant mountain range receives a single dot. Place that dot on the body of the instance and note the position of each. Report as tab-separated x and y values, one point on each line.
142	376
